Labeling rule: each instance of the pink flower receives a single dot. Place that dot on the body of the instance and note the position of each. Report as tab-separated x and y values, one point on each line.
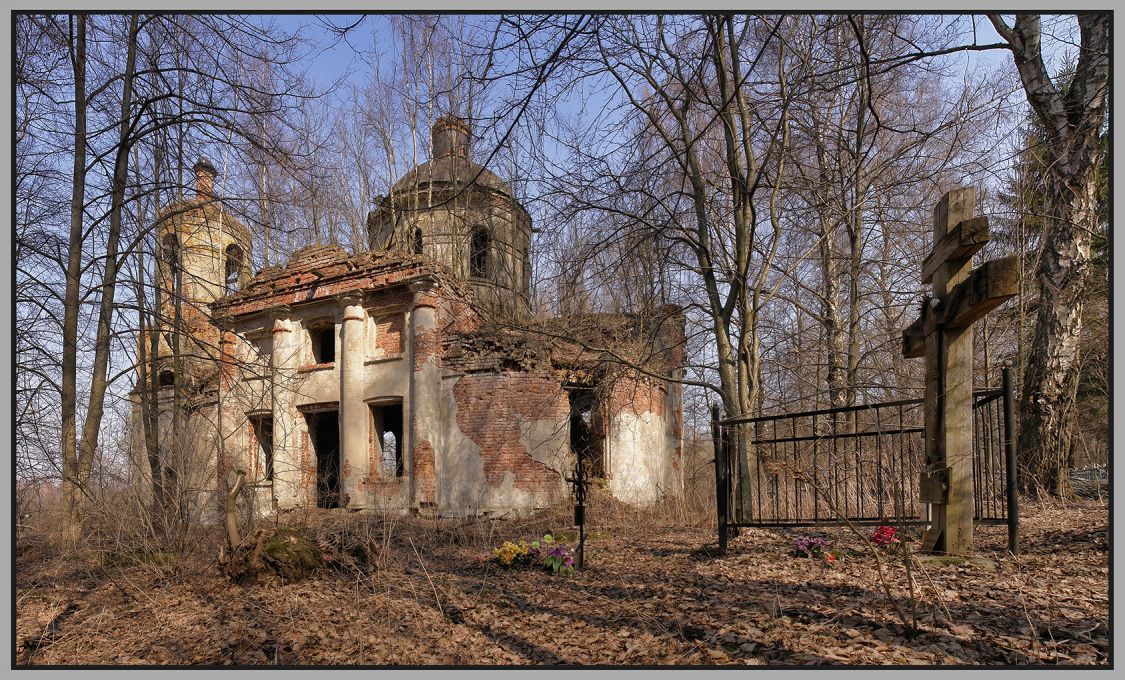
884	536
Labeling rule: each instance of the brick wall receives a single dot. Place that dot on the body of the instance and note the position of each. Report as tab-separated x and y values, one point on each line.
308	471
638	395
427	345
373	463
251	450
490	407
330	272
388	334
423	471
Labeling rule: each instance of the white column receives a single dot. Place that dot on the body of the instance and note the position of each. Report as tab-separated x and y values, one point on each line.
354	416
422	415
284	360
231	455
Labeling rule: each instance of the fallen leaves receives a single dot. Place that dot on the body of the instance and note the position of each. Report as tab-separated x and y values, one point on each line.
653	598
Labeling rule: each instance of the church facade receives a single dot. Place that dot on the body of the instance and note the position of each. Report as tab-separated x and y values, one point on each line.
413	377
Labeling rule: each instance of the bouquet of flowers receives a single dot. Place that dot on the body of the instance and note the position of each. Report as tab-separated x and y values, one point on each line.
809	546
884	536
511	554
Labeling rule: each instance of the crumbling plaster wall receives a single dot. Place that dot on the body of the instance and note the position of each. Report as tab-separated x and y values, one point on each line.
510	430
496	437
485	416
640	456
204	231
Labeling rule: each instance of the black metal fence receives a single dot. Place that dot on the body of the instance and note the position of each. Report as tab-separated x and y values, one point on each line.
862	463
990	471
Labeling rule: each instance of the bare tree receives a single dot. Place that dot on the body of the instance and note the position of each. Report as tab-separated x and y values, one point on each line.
71	465
143	90
1072	118
43	200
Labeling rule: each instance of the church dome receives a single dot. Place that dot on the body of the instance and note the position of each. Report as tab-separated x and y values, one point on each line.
451	162
461	215
452	171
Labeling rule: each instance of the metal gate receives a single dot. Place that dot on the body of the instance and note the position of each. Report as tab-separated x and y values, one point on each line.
861	464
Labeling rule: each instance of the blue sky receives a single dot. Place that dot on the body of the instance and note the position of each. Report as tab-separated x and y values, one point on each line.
330	57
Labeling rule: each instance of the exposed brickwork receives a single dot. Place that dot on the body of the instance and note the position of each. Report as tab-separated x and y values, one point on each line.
322	272
227	349
456	315
389	334
655	340
317	256
399	296
385	488
638	395
427	347
308	470
430	298
678	416
449	314
482	350
251	450
490	407
423	471
373	471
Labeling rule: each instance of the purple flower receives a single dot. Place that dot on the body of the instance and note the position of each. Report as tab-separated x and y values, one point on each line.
807	546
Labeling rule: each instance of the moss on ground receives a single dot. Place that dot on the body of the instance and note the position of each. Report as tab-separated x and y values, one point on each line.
291	554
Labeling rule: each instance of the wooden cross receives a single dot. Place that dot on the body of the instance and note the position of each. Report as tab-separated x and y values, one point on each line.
942	335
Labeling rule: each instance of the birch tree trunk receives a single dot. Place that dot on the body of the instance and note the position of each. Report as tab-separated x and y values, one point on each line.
1072	118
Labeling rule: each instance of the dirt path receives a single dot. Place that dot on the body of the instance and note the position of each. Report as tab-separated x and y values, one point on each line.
647	597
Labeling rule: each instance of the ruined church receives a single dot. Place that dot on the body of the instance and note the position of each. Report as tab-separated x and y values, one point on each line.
413	377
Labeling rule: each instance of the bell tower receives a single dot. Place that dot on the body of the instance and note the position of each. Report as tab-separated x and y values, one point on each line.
203	255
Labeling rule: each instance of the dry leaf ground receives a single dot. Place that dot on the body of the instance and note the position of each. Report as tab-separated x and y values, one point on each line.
651	594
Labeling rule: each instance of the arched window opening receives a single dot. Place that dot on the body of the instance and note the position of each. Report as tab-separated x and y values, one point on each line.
166	379
478	253
233	268
417	241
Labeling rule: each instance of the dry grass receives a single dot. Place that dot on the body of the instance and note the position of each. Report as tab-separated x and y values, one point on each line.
407	590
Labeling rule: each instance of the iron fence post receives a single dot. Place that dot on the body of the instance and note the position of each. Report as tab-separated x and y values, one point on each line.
721	494
1010	460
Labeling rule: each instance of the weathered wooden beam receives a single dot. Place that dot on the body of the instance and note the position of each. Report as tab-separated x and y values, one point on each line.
954	206
986	288
914	340
914	336
962	241
948	397
933	486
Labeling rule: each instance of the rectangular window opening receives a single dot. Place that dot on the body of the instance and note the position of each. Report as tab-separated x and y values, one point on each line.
263	432
388	438
324	432
323	344
587	434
